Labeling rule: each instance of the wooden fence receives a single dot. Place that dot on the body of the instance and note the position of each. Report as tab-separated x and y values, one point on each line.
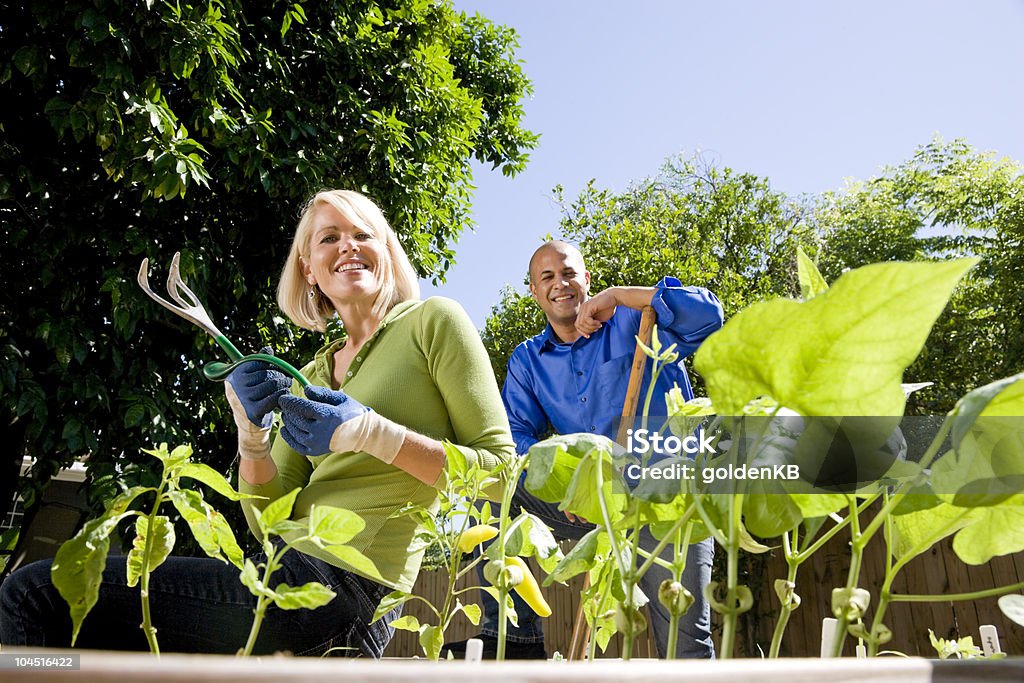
936	572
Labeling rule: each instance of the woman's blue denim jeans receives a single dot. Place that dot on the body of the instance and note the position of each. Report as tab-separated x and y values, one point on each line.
694	627
199	605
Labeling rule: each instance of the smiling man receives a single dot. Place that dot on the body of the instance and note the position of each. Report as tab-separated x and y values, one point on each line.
572	377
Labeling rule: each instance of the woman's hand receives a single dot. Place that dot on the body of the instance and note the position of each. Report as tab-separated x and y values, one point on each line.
333	422
253	390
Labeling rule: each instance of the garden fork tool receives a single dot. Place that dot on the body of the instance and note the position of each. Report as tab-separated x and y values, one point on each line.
189	307
581	627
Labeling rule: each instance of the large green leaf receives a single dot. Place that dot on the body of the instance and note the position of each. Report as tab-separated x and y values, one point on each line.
584	497
212	478
998	530
532	537
207	525
77	569
554	461
163	543
431	640
581	558
390	602
355	559
841	353
334	526
307	596
917	531
811	282
276	511
986	465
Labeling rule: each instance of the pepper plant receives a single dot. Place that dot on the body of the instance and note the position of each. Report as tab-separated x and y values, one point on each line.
328	528
78	566
457	526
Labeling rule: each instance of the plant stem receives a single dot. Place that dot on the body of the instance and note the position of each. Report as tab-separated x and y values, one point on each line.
679	551
793	562
262	602
858	540
732	581
954	597
506	506
147	618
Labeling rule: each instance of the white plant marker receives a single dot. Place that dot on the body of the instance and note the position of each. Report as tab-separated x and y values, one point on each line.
474	650
828	636
862	652
989	640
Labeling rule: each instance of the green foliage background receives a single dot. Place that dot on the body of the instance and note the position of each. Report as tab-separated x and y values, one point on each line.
139	128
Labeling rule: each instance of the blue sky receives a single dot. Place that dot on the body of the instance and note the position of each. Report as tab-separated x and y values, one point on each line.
808	93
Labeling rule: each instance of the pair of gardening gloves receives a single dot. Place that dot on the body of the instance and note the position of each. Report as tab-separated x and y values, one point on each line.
325	421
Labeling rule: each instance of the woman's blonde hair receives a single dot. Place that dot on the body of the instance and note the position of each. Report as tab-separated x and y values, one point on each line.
394	272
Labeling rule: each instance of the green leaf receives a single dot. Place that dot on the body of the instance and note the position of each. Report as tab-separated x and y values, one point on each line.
553	463
472	612
986	465
277	511
212	478
163	543
998	530
306	596
917	531
356	560
431	640
841	353
250	578
200	517
77	570
1012	606
583	497
811	282
532	537
406	623
581	558
334	526
390	602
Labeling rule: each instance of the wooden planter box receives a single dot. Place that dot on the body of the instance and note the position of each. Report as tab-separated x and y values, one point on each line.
104	667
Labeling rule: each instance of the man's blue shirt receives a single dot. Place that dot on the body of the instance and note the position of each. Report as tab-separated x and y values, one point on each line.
580	387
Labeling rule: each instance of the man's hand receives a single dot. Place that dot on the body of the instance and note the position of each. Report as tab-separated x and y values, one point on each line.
596	311
575	519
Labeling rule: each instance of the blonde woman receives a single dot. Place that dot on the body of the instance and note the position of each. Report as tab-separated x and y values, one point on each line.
406	375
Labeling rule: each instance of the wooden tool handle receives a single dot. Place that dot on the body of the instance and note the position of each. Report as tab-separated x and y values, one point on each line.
636	375
581	628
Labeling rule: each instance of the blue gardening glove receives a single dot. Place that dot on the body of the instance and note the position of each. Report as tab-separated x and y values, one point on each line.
333	422
253	389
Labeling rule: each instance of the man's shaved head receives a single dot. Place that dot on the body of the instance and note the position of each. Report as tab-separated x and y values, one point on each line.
559	247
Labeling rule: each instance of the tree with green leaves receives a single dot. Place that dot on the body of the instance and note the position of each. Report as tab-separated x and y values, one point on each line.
139	128
947	200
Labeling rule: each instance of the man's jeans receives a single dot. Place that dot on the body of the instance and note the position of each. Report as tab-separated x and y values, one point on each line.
694	627
198	605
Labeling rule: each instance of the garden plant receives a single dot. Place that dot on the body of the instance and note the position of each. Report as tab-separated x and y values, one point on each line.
79	563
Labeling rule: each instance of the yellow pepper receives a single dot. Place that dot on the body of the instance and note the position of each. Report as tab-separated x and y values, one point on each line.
529	589
475	535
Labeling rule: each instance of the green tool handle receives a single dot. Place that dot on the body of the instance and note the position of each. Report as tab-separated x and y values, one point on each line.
218	372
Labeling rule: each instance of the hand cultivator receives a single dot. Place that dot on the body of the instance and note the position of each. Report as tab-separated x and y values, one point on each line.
189	307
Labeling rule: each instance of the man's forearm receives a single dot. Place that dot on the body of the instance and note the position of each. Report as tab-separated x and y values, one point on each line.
634	297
